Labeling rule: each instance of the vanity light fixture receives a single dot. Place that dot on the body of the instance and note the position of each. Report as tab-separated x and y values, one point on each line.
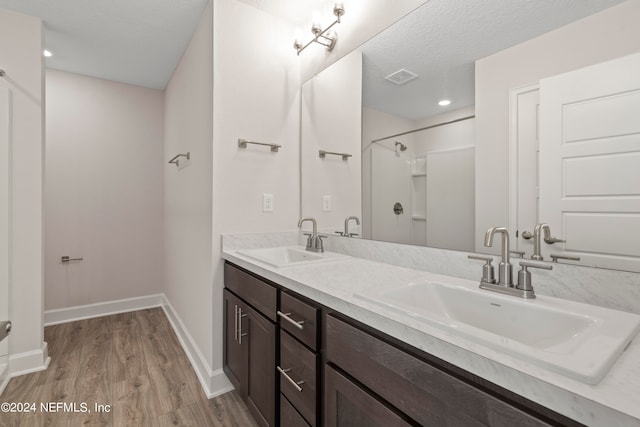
444	102
324	37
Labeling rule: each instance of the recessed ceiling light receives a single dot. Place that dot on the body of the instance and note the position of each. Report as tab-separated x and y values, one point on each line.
47	53
401	76
444	102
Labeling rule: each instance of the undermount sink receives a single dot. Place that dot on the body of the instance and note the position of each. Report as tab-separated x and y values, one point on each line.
578	340
286	256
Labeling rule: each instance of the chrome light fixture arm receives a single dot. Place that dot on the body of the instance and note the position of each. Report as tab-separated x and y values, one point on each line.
326	37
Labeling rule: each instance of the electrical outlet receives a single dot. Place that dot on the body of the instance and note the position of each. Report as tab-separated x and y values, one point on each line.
267	202
326	203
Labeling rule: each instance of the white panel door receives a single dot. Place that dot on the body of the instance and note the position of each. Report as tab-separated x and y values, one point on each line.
590	162
5	171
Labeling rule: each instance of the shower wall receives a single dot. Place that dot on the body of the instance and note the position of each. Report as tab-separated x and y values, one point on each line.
433	180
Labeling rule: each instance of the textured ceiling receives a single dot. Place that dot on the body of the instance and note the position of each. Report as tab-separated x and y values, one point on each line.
440	42
141	41
131	41
297	12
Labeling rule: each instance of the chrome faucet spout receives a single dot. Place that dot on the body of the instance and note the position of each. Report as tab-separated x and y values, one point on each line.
313	223
538	232
314	241
346	224
505	275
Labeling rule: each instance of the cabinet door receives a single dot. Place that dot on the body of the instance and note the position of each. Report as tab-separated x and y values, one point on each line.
235	355
347	405
258	335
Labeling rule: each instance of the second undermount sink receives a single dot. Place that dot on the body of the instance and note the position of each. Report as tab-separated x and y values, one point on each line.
284	256
578	340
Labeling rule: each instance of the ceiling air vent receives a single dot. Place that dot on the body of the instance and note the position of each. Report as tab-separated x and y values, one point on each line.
401	76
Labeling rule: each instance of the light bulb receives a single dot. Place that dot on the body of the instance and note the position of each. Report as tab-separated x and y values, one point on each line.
316	28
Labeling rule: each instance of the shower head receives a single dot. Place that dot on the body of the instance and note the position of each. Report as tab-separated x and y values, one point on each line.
402	146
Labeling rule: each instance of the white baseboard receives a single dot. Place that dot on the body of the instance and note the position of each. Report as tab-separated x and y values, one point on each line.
213	383
29	361
71	314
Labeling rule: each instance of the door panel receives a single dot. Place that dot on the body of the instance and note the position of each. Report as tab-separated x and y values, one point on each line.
258	335
5	170
524	179
590	162
235	356
347	405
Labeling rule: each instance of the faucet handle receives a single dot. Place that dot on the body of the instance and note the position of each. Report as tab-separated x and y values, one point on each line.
487	269
552	240
544	266
519	254
524	276
488	259
556	257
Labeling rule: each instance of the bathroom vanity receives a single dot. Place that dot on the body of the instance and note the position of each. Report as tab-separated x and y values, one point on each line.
299	363
359	363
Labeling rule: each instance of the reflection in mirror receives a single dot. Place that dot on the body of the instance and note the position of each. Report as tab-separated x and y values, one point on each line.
440	208
456	178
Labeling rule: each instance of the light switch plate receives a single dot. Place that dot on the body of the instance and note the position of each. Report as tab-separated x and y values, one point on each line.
326	203
267	202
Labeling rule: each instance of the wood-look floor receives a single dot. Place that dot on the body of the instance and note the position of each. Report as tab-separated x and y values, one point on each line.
132	362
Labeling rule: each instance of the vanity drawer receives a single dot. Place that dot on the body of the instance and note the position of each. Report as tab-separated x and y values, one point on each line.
422	391
298	370
261	295
299	319
289	417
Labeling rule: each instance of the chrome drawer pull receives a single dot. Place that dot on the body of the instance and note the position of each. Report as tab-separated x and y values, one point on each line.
240	334
290	320
293	383
235	319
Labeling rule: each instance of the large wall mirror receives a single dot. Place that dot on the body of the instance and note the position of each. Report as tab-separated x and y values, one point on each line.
419	172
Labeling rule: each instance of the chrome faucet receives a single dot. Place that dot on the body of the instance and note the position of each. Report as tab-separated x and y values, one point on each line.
346	225
505	275
537	237
314	241
524	287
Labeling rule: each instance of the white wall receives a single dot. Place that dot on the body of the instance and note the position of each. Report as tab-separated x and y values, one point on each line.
188	191
21	47
231	83
256	97
331	120
447	137
104	190
607	35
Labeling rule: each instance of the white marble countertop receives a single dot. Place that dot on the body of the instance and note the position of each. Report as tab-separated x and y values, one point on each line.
614	401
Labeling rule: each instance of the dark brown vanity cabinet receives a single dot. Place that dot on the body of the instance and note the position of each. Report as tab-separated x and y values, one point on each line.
250	342
299	364
379	376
